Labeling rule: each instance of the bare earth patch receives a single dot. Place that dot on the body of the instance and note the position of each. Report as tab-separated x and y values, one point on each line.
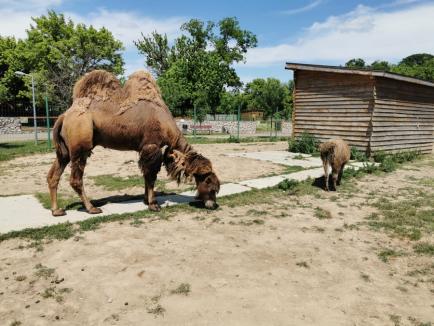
273	263
27	175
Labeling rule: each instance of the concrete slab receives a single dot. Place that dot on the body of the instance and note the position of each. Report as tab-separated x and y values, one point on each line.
225	190
20	212
25	211
282	157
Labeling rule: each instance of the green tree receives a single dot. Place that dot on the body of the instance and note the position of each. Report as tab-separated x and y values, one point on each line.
417	65
198	66
356	64
270	96
56	52
418	59
158	54
380	65
62	52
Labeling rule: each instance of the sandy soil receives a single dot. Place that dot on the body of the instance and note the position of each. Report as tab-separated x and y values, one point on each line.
27	175
289	269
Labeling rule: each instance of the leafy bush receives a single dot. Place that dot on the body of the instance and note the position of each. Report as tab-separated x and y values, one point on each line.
305	143
389	162
287	184
358	155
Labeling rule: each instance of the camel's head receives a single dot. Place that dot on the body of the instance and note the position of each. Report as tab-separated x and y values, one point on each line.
208	185
192	164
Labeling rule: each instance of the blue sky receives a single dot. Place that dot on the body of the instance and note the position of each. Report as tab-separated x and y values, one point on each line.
309	31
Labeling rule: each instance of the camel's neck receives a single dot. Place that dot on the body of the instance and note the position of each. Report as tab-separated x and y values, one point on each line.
182	145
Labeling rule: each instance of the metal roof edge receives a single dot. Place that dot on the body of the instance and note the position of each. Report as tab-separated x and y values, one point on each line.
344	70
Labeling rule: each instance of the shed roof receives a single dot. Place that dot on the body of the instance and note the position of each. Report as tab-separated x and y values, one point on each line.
344	70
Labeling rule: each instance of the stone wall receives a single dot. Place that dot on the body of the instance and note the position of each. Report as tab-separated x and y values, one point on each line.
286	127
10	125
229	127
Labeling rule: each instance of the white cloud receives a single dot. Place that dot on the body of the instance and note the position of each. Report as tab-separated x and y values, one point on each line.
127	26
26	4
365	32
308	7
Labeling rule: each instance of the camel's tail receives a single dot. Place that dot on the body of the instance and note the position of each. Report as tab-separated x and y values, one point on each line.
327	152
59	143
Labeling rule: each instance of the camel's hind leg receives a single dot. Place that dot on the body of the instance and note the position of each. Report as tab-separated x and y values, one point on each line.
53	179
78	163
341	172
335	173
325	165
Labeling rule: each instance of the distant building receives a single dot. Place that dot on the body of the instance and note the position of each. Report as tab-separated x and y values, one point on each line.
372	110
252	115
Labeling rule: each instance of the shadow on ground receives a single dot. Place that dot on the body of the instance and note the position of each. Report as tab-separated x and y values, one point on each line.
162	197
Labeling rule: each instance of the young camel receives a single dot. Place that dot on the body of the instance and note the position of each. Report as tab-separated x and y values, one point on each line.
133	117
335	153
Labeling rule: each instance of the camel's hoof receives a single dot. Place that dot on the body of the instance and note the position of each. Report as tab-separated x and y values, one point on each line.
154	207
94	210
58	212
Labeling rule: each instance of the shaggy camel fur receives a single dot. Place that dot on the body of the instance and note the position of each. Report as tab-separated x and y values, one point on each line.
335	153
133	117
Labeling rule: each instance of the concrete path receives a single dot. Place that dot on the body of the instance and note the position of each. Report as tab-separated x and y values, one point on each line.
25	211
285	158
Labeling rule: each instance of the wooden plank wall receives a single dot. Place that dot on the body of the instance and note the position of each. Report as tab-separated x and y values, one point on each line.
403	116
330	105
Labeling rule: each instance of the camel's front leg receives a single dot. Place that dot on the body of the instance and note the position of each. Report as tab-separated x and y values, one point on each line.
150	164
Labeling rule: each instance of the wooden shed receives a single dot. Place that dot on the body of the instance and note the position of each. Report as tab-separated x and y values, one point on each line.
371	110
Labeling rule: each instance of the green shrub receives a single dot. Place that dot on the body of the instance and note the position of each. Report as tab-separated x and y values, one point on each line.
305	143
379	157
358	155
288	184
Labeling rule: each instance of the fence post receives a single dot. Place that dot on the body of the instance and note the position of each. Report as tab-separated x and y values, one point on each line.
194	121
48	123
238	123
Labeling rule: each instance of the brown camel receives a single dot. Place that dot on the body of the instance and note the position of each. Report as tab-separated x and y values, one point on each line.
335	153
133	117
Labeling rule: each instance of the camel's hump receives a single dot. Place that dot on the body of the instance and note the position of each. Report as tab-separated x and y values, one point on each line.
97	83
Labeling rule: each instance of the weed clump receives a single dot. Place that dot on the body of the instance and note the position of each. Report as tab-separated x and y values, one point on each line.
358	155
305	143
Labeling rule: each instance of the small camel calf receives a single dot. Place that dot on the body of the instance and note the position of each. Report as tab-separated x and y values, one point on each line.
335	153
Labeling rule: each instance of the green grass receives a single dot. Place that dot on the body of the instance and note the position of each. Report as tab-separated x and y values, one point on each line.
9	151
44	271
110	182
183	288
385	254
409	218
68	202
322	214
297	188
302	264
293	168
424	248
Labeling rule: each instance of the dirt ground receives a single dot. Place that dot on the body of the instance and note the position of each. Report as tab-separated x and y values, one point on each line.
27	175
273	263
